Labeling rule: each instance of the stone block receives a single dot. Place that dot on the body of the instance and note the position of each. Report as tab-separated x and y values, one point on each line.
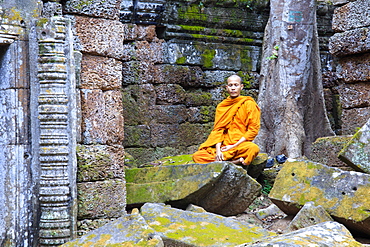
198	98
169	183
352	15
100	73
354	68
101	36
182	75
163	135
136	102
329	234
137	136
343	194
309	215
169	114
353	119
257	166
354	95
149	51
357	151
170	94
129	230
216	56
218	187
108	9
186	228
101	199
350	42
188	132
325	150
138	72
102	118
99	162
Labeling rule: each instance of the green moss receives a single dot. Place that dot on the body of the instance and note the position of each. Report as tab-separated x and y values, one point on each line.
192	12
181	60
81	4
41	22
207	58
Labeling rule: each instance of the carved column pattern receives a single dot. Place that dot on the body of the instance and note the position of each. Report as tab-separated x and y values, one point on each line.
54	192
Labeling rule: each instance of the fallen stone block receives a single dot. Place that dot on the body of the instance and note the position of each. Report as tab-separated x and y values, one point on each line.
271	210
184	228
343	194
357	151
169	183
309	215
328	234
129	230
218	187
325	151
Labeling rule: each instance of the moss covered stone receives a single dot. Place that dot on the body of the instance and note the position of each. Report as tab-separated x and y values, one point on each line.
344	195
130	230
185	228
356	152
168	183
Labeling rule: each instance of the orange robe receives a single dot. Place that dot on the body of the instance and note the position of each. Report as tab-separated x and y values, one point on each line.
234	119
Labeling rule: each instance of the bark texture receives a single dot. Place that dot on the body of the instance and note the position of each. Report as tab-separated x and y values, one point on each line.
291	94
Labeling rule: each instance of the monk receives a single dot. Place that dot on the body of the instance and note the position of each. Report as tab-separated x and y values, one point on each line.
237	122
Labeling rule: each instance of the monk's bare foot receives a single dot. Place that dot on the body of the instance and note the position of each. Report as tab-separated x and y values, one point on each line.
239	161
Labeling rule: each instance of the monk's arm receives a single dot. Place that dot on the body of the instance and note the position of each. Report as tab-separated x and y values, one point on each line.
219	154
253	123
228	147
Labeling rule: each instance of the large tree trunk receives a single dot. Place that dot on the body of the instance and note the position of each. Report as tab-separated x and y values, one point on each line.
291	94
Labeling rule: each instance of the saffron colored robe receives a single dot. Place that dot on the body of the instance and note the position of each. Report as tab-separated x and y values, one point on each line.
234	119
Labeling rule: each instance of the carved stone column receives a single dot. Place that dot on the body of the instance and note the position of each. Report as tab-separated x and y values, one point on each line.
57	162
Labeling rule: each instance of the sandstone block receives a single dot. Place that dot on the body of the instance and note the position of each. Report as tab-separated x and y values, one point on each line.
163	135
350	42
169	114
352	15
99	162
325	150
354	118
185	228
182	75
101	199
354	68
149	51
138	72
170	94
357	151
102	118
129	230
209	55
329	234
309	215
137	136
136	102
108	9
169	183
343	194
100	36
218	187
100	73
354	95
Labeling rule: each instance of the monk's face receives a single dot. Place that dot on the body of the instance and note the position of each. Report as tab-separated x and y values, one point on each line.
234	87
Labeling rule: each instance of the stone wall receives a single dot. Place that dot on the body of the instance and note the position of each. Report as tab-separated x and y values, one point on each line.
350	46
99	55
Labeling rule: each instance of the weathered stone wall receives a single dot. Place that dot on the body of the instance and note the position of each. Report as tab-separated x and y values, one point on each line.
351	47
100	50
17	176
